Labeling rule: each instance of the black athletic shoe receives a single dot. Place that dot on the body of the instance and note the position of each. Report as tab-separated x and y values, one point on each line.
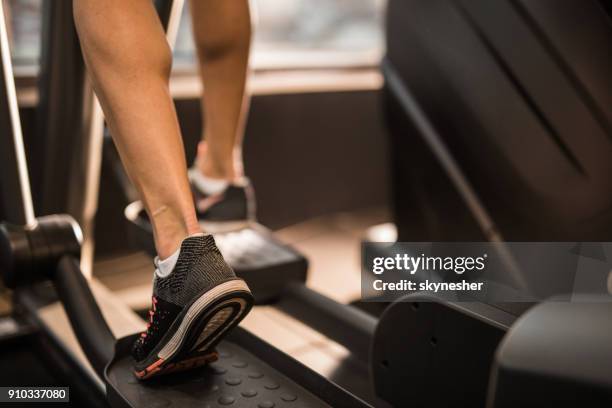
193	308
230	210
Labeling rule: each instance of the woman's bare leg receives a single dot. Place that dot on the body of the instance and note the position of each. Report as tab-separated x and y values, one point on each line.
129	61
222	33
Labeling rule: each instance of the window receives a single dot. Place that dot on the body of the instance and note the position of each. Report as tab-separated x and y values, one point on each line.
305	34
24	25
288	34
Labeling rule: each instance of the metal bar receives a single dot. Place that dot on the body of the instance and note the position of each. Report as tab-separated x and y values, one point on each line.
345	324
86	203
454	172
90	327
174	19
15	195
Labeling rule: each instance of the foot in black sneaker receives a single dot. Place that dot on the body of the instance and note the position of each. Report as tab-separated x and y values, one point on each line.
194	306
228	210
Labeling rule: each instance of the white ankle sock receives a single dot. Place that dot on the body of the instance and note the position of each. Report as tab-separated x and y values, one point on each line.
207	185
165	266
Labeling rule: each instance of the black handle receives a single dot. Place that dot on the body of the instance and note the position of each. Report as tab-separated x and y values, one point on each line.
88	323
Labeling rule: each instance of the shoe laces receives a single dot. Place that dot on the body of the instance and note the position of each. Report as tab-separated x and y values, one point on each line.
152	312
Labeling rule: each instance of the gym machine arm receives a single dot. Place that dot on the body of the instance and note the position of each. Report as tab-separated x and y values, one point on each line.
49	250
92	331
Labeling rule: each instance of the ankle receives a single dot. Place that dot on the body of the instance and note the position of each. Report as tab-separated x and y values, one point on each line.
215	171
214	167
170	229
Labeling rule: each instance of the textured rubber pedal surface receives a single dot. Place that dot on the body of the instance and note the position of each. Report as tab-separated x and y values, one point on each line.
266	264
237	379
252	249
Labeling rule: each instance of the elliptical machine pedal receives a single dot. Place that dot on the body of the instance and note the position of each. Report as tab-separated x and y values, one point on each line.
267	265
248	371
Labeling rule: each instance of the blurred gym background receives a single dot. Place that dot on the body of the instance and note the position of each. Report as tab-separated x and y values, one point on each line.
315	149
289	34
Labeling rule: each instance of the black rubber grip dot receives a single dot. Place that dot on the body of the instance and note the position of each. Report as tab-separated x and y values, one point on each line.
219	370
249	393
271	386
255	374
226	400
233	381
288	397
